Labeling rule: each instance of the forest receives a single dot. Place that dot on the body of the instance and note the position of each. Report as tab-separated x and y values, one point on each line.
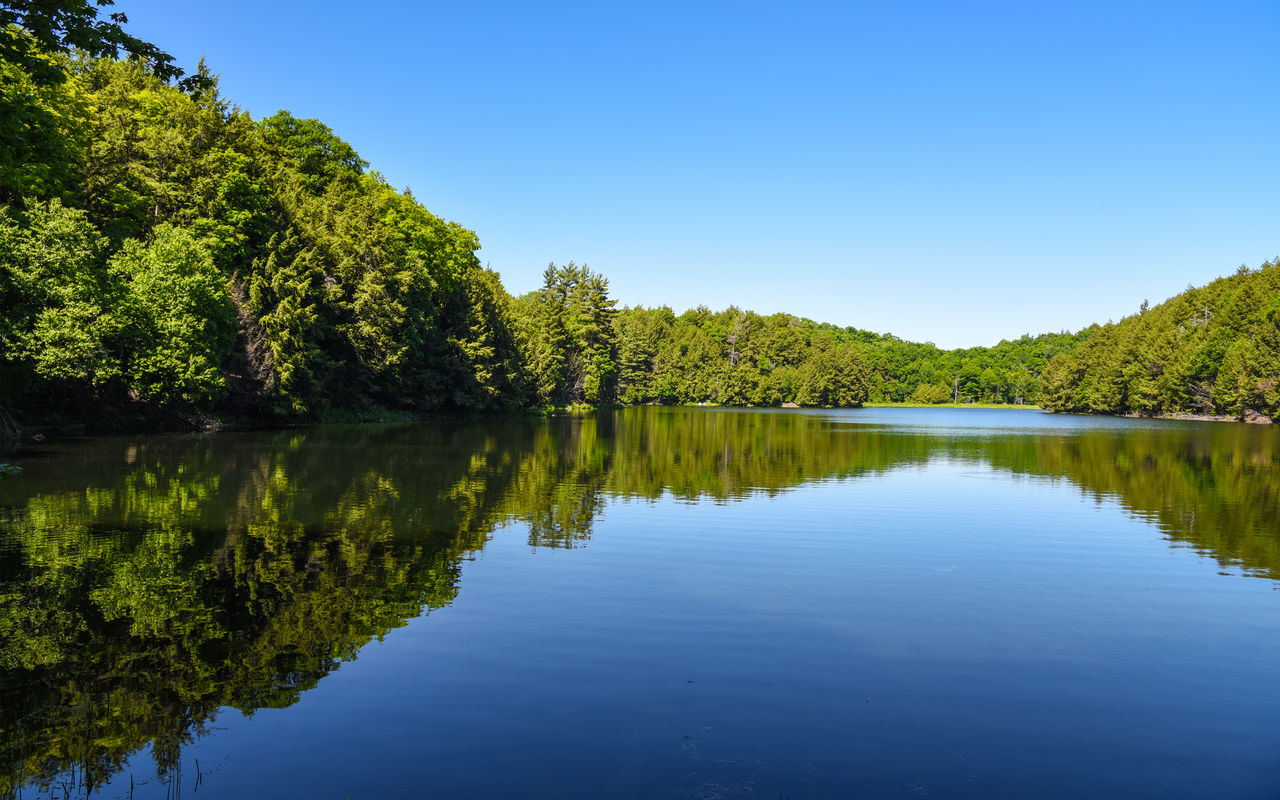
167	260
1213	349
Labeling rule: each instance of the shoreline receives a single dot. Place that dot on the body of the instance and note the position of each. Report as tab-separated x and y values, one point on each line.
907	404
20	434
1248	419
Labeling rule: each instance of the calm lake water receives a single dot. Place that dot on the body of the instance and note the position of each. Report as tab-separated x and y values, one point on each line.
653	603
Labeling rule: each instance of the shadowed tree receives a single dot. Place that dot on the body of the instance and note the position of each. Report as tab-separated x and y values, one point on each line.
61	26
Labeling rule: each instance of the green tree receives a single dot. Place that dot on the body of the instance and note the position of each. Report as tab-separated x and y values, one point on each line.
31	28
568	336
178	318
60	305
42	136
310	148
834	377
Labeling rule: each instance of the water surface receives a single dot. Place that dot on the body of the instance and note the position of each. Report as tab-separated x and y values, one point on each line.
649	603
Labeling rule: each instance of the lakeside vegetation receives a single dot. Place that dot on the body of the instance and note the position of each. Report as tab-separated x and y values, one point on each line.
165	257
1211	350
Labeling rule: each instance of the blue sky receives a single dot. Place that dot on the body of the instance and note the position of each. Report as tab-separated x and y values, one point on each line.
944	171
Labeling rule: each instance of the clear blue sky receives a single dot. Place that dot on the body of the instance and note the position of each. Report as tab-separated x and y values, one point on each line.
945	171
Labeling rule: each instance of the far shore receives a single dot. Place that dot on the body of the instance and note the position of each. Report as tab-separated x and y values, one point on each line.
1252	418
908	404
1249	419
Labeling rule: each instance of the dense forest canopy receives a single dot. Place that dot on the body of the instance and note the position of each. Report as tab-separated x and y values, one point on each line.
165	255
1212	349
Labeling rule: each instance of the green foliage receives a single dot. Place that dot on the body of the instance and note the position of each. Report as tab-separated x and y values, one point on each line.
567	336
178	315
833	377
736	358
930	393
154	320
155	154
491	373
251	264
1210	350
164	249
42	135
310	149
60	303
29	29
284	297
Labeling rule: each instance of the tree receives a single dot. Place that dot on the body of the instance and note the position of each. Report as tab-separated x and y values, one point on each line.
284	297
834	377
311	149
178	318
156	154
490	359
30	28
593	367
59	305
1211	349
568	336
42	136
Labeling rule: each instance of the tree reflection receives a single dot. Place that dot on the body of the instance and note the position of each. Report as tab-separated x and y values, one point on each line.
146	585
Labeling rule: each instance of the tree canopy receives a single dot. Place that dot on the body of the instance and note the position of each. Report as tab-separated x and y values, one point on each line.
163	251
1213	349
30	30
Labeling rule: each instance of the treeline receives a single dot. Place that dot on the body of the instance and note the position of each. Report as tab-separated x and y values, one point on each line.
163	252
160	247
1008	373
736	357
1210	350
576	347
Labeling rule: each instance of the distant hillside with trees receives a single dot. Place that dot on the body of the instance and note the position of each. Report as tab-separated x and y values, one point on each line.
1214	349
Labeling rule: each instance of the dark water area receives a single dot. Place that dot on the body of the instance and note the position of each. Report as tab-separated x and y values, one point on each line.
652	603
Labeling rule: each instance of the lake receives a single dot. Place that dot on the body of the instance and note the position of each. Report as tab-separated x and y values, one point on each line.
648	603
